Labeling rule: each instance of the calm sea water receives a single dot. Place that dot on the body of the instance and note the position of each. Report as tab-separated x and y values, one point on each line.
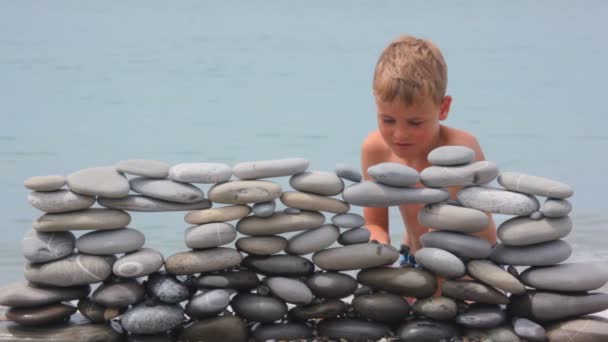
88	84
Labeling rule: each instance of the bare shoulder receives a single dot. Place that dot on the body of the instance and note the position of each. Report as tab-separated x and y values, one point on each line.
454	136
373	151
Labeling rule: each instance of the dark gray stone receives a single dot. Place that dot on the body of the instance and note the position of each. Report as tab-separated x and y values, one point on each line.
353	236
167	288
225	328
258	308
382	307
332	285
439	308
41	315
29	295
261	245
427	330
119	294
282	331
541	306
482	316
529	330
208	304
407	281
280	265
472	291
152	319
242	280
352	330
289	290
326	309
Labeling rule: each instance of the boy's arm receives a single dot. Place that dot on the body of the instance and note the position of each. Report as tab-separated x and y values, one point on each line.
376	219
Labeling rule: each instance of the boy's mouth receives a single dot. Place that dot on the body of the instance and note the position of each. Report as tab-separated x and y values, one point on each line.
401	144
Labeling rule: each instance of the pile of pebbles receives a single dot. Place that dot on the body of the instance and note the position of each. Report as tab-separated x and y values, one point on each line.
257	272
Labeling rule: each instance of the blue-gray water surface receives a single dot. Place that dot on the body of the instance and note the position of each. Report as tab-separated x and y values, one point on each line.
87	84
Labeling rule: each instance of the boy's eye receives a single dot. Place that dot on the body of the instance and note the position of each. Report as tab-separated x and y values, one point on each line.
388	121
415	123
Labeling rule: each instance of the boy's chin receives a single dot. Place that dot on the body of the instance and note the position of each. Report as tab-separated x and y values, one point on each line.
406	152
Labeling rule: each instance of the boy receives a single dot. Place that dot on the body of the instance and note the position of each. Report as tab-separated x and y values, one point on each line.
409	87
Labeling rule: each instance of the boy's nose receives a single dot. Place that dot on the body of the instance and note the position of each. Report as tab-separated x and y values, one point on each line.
401	134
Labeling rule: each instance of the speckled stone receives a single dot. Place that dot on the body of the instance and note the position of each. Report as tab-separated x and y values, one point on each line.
533	185
59	201
439	308
89	219
477	173
144	168
77	269
371	194
138	264
522	231
270	168
282	331
451	155
332	285
109	242
318	310
289	290
394	174
462	245
209	235
426	330
258	308
261	245
240	280
498	201
313	240
353	257
224	328
348	172
440	262
264	209
45	247
588	329
317	182
206	260
569	277
208	173
28	295
119	294
473	291
280	265
482	316
47	314
208	304
348	220
556	207
355	330
444	216
167	288
382	307
353	236
540	306
45	183
167	190
542	254
151	319
279	223
305	201
489	273
529	330
406	281
142	203
221	214
103	181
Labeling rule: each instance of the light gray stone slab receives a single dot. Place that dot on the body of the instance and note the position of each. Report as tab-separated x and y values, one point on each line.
59	201
306	201
138	264
142	203
279	223
348	220
569	277
261	245
270	168
353	236
353	257
45	247
103	181
243	192
491	274
167	190
556	207
220	214
45	183
209	235
522	231
445	216
478	173
144	168
208	173
440	262
542	254
199	261
540	306
28	295
371	194
462	245
348	172
313	240
534	185
110	242
498	201
317	182
89	219
394	174
77	269
451	155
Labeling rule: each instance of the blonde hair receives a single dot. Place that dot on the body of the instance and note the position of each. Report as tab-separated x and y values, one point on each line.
410	69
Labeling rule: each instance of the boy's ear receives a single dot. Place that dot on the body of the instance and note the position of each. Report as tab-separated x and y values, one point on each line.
444	108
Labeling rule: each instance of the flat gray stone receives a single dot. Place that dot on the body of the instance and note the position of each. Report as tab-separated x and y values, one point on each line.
144	168
77	269
103	181
542	254
427	330
289	290
167	190
258	308
332	285
556	207
587	328
317	182
439	308
59	201
279	223
440	262
167	288
208	173
306	201
569	277
280	265
243	192
541	306
118	294
445	216
534	185
529	330
199	261
451	155
404	281
208	304
23	295
261	245
353	236
209	235
313	240
110	242
45	247
239	280
462	245
148	204
498	201
88	219
394	174
145	319
478	173
470	290
291	331
371	194
348	172
45	183
330	308
489	273
74	331
522	231
482	316
356	330
138	264
270	168
221	214
348	220
353	257
47	314
222	328
264	209
381	307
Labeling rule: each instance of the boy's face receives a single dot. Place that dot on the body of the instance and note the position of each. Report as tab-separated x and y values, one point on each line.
411	131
